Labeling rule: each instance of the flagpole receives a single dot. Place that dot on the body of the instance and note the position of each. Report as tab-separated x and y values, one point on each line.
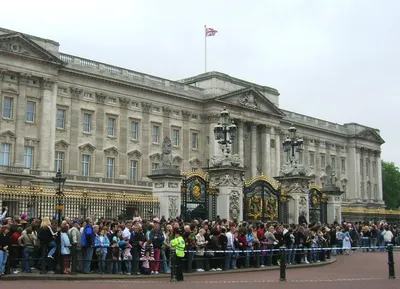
205	48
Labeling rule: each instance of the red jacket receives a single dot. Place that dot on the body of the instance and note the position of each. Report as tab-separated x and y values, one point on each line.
14	238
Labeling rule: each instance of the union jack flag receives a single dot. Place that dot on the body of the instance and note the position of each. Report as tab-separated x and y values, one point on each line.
210	32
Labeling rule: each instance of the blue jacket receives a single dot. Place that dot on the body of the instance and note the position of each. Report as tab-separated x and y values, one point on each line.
157	239
88	236
105	243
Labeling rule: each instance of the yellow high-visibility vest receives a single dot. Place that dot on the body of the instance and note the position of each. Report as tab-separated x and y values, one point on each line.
179	245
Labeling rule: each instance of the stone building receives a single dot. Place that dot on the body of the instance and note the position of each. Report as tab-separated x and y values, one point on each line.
103	125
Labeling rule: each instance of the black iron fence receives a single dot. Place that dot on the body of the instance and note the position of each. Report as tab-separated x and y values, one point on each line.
40	202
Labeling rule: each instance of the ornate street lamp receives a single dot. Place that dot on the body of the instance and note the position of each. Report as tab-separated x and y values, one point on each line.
225	131
59	182
293	143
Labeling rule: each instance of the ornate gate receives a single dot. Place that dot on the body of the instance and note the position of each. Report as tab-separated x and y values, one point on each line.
198	197
263	201
317	205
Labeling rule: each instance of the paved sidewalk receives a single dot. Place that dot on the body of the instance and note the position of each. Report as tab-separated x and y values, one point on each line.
87	277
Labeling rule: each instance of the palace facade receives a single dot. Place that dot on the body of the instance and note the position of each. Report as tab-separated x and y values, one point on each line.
103	126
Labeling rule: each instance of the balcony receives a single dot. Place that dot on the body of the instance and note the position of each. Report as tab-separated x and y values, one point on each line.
11	170
108	181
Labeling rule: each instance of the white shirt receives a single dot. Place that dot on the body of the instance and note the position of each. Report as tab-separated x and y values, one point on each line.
230	238
388	236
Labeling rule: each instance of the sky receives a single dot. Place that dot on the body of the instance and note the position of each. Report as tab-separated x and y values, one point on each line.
336	60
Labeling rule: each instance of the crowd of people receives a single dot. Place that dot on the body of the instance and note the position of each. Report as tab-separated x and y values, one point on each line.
143	247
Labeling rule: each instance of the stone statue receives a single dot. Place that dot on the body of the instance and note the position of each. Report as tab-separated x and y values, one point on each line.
331	176
167	146
293	168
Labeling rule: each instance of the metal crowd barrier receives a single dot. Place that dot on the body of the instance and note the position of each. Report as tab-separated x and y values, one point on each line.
221	255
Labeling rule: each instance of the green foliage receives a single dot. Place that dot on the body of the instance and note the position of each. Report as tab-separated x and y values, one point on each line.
391	185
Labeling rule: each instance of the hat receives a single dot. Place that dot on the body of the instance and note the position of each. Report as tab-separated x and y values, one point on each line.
156	220
75	222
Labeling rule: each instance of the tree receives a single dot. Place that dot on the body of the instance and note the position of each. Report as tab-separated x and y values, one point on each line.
391	185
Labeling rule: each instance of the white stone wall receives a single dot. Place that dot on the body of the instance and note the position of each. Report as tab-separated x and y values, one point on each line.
103	91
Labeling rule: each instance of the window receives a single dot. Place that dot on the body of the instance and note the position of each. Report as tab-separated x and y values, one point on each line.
110	167
374	169
154	166
28	157
61	118
134	104
87	122
87	95
59	161
5	154
311	159
367	168
323	162
333	162
62	90
112	100
175	137
343	164
195	140
156	109
8	105
195	117
111	127
156	134
30	111
133	170
85	165
175	113
134	130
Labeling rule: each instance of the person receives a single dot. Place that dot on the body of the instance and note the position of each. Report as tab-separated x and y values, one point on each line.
145	269
178	243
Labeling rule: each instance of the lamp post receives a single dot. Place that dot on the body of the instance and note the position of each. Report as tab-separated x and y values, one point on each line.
59	182
225	131
293	143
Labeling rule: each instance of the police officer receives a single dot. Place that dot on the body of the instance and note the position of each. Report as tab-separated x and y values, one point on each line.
178	243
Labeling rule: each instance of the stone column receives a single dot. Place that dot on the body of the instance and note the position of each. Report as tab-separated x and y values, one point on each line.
253	149
100	132
168	190
124	136
75	129
230	185
214	148
277	150
379	196
266	141
334	205
48	118
240	140
296	187
167	121
364	174
147	138
20	120
186	146
2	75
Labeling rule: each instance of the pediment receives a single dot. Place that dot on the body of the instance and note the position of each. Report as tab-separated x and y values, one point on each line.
371	134
7	136
111	151
195	162
177	159
135	153
20	44
155	156
250	98
10	90
87	147
61	144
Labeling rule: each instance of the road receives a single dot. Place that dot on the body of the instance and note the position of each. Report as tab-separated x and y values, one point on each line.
366	270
